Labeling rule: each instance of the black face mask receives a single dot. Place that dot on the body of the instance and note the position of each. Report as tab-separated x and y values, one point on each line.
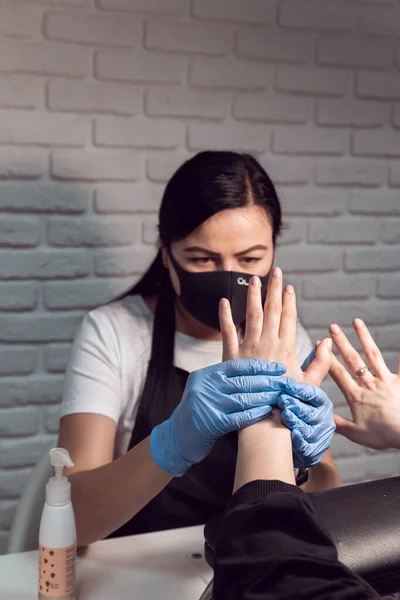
201	293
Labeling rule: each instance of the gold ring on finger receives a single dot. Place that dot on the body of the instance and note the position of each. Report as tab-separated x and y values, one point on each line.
361	372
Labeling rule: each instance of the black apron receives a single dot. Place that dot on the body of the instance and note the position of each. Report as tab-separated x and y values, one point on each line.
200	494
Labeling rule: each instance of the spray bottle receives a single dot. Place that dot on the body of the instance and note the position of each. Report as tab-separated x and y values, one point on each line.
57	534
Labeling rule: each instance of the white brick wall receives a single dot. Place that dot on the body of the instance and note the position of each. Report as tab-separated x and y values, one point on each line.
101	100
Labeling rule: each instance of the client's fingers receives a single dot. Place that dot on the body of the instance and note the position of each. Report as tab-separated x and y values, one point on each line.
230	342
370	349
350	356
254	313
288	324
273	308
347	428
319	367
343	379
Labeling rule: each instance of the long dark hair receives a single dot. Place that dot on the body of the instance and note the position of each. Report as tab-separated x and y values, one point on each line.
203	186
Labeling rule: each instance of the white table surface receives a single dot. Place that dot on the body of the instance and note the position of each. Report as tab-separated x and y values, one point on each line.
152	567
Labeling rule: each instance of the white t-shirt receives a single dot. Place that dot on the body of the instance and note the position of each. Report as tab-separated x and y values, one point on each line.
109	358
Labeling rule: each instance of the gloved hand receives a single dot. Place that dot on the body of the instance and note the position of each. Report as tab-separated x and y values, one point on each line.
308	413
218	399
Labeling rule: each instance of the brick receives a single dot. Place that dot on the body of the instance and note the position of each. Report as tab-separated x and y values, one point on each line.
20	91
18	296
341	287
278	47
376	467
161	166
392	360
52	419
181	36
372	259
229	74
140	67
308	259
20	20
128	199
317	16
350	172
391	231
43	197
92	29
379	86
343	231
239	136
320	314
17	361
19	232
7	513
394	175
49	328
22	163
255	12
396	116
44	58
43	264
64	232
23	453
163	7
388	338
22	421
91	97
389	287
138	133
271	109
368	202
150	230
95	166
378	21
313	202
181	102
288	171
300	140
43	129
312	81
116	263
56	356
376	143
351	113
82	295
31	390
294	233
13	483
331	389
354	53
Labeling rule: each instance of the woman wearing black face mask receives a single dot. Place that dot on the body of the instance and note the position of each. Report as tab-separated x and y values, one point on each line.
219	220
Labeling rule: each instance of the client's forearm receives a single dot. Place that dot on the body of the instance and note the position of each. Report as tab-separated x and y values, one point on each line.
264	452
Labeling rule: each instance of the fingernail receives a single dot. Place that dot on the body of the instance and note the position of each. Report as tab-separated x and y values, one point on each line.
329	343
358	323
317	343
224	302
276	272
334	328
289	289
255	281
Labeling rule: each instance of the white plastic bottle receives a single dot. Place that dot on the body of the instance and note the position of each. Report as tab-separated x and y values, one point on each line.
57	534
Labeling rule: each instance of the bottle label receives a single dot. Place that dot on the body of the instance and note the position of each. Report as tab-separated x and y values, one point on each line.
57	572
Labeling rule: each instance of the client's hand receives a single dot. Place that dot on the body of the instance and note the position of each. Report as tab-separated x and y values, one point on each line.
216	400
271	332
373	397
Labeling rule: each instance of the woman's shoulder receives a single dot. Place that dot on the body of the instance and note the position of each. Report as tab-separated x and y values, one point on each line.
129	311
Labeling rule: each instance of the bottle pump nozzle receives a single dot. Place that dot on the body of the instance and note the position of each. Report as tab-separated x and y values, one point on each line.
58	489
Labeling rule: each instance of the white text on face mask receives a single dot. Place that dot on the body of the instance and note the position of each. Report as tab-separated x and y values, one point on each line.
242	281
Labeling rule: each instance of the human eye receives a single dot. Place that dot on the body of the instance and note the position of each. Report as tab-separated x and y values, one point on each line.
250	260
202	260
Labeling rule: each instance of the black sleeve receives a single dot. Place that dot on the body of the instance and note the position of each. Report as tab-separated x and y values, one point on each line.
271	545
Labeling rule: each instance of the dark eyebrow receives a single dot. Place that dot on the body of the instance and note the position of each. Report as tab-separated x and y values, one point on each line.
211	253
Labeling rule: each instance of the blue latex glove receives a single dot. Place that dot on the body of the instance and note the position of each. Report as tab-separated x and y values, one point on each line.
218	399
308	413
